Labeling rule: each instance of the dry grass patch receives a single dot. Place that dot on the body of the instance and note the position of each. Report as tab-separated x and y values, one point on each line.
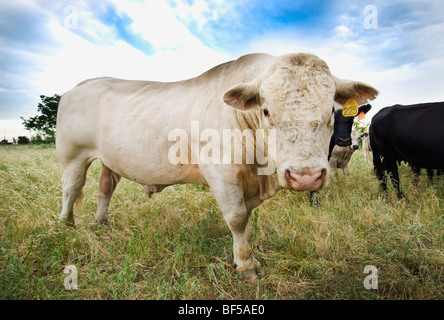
178	246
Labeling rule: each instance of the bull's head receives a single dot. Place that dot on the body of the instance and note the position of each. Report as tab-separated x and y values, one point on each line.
295	96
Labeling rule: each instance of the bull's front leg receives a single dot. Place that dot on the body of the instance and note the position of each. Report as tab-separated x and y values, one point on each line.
229	196
239	223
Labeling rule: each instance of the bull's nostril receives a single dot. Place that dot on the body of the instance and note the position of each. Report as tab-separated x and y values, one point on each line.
324	172
321	177
306	179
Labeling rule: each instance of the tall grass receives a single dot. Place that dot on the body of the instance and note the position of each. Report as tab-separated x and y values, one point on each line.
177	245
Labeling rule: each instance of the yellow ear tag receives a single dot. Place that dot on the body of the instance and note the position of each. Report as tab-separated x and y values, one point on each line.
350	108
361	116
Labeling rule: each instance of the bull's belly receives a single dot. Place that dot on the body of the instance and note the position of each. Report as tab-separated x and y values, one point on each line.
146	169
144	158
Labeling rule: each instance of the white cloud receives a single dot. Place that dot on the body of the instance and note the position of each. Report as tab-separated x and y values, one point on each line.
404	84
343	31
202	11
197	11
400	59
179	54
76	56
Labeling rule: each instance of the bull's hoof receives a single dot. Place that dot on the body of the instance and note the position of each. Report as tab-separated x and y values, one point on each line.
249	276
68	222
104	222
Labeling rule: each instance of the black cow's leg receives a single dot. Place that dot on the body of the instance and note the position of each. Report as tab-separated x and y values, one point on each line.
416	173
314	199
392	170
430	174
396	184
381	174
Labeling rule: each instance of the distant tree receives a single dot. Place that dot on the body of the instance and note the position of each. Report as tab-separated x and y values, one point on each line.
22	140
5	142
361	126
37	139
45	122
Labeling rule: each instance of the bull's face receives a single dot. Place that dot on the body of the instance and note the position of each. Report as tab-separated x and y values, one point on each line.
295	96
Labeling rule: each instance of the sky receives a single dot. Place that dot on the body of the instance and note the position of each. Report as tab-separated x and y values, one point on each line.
47	46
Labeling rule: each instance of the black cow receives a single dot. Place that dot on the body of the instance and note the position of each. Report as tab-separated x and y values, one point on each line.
413	133
342	129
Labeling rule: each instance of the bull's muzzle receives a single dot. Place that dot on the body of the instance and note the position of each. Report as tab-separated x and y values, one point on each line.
306	180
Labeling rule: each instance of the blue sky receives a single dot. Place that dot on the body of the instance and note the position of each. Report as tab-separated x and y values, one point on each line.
47	46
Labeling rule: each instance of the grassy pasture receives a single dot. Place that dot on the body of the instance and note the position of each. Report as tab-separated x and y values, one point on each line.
177	245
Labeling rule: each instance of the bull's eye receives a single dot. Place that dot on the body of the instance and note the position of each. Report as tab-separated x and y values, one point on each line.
268	116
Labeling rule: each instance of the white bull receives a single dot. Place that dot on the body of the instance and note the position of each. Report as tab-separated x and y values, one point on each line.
128	125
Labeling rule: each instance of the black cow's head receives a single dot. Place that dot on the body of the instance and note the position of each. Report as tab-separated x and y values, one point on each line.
343	127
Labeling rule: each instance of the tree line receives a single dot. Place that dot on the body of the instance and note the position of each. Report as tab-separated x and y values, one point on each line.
44	124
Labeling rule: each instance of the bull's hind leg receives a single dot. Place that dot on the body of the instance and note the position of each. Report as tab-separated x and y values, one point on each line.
73	180
107	184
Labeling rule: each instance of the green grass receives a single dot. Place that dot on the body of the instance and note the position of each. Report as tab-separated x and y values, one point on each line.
178	246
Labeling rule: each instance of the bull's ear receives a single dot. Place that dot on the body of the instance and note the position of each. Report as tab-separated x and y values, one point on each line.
243	96
361	92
